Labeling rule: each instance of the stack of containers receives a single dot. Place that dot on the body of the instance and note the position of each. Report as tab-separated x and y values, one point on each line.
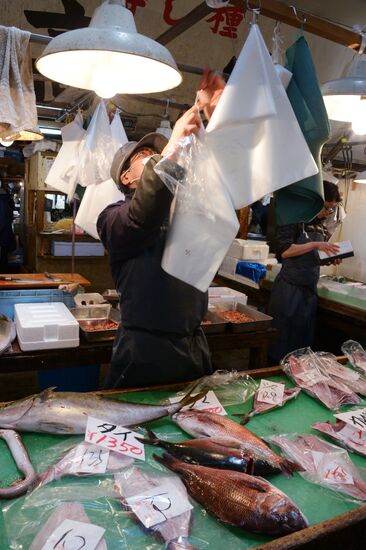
242	252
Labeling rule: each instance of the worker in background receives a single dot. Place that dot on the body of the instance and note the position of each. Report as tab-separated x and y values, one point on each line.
7	237
160	339
293	301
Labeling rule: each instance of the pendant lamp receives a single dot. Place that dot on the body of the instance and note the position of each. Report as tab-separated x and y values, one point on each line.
360	178
165	128
109	56
28	134
345	98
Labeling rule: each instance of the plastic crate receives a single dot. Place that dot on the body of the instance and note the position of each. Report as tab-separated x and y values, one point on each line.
8	298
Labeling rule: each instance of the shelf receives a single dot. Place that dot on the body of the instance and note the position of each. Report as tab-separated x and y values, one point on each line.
49	257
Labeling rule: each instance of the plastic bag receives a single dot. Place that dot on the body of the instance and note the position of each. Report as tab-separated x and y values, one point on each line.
304	367
349	437
329	365
355	354
323	463
252	270
230	387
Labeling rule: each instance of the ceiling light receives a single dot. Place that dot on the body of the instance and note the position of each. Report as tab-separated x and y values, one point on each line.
28	134
360	178
345	97
50	131
6	142
109	56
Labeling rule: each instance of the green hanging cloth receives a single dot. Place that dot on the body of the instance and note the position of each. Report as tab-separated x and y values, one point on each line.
303	200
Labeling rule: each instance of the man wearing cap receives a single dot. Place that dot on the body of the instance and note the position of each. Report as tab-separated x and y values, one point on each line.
160	339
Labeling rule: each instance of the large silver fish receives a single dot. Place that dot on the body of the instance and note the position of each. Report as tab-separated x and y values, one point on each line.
67	412
22	460
7	332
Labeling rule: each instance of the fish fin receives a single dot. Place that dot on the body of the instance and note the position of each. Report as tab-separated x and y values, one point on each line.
45	394
250	467
188	399
54	428
253	482
288	468
244	418
152	439
167	460
227	442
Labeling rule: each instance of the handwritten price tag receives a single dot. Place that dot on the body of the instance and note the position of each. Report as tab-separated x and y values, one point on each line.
356	418
158	504
270	392
331	471
312	377
354	437
89	459
208	403
114	438
71	535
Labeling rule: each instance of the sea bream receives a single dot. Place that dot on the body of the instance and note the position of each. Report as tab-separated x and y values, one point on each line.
206	424
68	412
239	499
259	407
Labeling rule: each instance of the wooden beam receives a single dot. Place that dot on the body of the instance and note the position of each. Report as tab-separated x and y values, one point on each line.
198	13
320	27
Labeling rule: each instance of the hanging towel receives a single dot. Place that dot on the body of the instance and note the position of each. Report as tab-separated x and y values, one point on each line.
64	172
256	141
17	98
303	200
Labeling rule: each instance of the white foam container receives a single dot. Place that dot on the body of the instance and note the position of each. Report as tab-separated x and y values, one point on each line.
248	250
219	293
45	326
61	248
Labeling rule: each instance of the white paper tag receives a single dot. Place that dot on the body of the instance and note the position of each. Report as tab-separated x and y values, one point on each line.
354	437
355	418
345	373
331	471
72	535
312	377
270	392
113	437
208	403
158	504
90	459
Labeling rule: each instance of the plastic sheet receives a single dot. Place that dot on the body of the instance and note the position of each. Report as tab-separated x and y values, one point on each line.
352	379
304	367
355	354
324	464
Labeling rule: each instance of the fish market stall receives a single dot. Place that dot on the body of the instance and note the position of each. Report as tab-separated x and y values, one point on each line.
334	519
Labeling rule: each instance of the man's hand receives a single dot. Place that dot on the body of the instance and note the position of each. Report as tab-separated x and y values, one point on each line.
187	124
209	92
329	248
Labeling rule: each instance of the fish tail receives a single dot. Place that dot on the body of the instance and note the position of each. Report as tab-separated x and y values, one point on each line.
244	418
152	439
188	399
168	460
288	468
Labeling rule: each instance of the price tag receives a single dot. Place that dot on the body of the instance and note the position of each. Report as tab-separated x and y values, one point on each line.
208	403
158	504
353	437
89	459
345	373
113	437
312	377
331	471
355	418
73	535
270	392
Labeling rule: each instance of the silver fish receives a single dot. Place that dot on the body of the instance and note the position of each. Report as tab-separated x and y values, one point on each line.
67	412
23	463
7	332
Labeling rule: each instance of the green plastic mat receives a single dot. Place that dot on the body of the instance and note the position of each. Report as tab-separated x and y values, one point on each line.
341	298
317	503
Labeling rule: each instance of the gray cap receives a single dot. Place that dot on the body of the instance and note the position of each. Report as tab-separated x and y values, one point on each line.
154	140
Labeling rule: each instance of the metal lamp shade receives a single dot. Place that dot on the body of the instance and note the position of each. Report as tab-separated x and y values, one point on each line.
109	56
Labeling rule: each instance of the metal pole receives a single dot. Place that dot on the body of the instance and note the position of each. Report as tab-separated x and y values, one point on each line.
73	238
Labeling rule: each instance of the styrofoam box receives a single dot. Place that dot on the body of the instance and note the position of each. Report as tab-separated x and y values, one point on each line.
62	248
248	250
45	326
218	293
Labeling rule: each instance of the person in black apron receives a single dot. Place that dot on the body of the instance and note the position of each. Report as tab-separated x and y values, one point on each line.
293	301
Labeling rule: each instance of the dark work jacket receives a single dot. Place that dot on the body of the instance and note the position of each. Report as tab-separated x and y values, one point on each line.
160	339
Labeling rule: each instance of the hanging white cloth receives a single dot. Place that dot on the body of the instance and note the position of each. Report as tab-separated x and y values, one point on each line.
17	98
256	141
100	195
64	172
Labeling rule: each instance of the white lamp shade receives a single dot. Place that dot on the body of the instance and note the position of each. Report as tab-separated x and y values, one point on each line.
109	56
361	177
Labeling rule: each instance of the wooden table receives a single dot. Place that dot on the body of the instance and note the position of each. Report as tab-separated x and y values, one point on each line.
39	280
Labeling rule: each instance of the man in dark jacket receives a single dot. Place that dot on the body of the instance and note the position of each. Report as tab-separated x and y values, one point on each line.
160	339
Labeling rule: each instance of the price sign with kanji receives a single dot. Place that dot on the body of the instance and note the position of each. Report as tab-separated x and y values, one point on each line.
89	459
157	504
74	535
354	437
270	392
114	438
208	403
331	470
356	418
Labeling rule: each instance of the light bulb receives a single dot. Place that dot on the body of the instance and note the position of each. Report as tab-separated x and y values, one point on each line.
104	83
6	142
359	118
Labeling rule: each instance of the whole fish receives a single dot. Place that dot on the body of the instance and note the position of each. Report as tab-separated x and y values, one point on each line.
259	407
239	499
174	531
336	430
7	332
67	412
205	424
22	460
207	451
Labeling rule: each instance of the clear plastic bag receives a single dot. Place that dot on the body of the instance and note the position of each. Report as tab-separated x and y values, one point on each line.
353	380
304	367
324	464
355	354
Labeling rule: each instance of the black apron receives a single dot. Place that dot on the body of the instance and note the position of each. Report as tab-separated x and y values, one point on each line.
293	301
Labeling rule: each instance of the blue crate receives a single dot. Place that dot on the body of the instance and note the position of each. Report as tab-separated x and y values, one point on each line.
10	297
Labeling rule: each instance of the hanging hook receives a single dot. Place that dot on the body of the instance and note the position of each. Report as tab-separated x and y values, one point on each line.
303	20
166	114
255	11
